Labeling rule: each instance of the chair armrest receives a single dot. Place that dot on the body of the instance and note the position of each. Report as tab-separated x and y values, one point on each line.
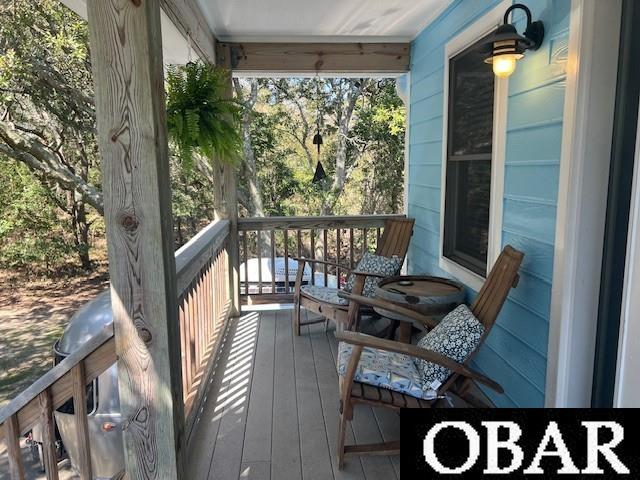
322	262
368	274
363	340
391	307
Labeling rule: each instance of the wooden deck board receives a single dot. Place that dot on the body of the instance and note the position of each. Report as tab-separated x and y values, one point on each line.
314	447
271	410
233	401
328	386
207	424
285	439
255	471
257	440
389	423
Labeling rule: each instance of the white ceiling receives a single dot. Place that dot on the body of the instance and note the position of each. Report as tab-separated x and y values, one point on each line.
175	49
320	20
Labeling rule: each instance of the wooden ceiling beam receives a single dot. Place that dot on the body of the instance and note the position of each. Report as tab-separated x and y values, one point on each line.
311	58
189	19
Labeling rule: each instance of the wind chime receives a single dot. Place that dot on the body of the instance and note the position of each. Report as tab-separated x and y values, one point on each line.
320	174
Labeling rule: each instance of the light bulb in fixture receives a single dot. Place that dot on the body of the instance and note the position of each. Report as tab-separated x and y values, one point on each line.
504	65
507	46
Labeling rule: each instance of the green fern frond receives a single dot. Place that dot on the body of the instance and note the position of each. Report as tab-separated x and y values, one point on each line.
200	118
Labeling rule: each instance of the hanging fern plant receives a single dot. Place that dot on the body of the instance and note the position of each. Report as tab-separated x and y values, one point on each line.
201	119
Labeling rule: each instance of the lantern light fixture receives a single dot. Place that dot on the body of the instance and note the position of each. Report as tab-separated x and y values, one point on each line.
507	46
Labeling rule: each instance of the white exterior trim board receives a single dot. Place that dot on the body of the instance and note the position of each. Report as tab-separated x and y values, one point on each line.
582	197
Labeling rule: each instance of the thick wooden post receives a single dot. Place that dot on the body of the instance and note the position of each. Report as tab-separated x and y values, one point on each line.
226	198
126	50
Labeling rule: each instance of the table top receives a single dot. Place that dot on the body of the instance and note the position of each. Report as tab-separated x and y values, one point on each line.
421	285
420	289
432	296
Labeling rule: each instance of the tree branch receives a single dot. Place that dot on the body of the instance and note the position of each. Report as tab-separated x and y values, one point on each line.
83	103
37	156
306	129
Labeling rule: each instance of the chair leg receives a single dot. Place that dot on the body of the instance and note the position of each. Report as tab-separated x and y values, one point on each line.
342	432
326	324
296	317
391	334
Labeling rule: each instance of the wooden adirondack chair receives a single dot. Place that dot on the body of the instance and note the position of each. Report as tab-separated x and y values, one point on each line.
486	306
394	242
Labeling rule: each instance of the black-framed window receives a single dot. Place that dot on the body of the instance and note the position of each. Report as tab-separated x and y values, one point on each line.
468	162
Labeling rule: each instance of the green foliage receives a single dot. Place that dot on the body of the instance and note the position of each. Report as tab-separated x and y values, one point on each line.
44	57
32	235
200	118
380	128
277	178
191	201
46	94
46	89
282	127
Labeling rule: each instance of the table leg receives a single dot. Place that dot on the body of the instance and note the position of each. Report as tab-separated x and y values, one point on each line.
404	332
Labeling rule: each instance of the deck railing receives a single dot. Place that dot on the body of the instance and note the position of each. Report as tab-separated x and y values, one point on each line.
204	309
266	243
202	271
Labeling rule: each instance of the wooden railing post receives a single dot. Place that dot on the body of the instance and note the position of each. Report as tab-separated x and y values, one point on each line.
81	421
12	434
50	457
126	51
330	238
227	201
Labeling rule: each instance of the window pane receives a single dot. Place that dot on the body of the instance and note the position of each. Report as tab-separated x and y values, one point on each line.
468	230
468	183
471	108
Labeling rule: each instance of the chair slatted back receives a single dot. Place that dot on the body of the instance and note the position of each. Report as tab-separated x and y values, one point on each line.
486	306
494	292
395	237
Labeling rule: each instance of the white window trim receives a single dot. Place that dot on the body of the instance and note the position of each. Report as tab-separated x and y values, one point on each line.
479	29
592	67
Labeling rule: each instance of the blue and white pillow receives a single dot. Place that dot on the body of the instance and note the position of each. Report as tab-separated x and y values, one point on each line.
456	336
390	370
370	263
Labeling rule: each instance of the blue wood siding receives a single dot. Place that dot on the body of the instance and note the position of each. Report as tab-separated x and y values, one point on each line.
516	351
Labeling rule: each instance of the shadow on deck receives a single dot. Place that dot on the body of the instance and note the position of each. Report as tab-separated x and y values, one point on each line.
271	410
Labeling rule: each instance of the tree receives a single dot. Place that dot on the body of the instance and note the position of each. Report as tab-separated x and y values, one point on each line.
47	136
47	128
25	212
330	103
251	197
347	93
362	124
46	107
380	131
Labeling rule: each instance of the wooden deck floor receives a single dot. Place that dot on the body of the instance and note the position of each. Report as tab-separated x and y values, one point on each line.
271	410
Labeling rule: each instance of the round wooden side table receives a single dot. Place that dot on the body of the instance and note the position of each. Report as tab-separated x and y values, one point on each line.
431	296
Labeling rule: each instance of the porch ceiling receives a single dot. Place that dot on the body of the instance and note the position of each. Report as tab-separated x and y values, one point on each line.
175	48
326	21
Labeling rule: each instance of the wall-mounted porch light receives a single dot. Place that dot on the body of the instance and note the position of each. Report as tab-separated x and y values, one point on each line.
507	46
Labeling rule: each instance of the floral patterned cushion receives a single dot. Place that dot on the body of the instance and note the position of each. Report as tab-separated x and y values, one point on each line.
456	336
370	263
380	368
324	294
